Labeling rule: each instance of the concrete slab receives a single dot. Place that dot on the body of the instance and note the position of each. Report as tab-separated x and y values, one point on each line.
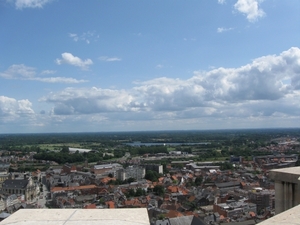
288	217
136	216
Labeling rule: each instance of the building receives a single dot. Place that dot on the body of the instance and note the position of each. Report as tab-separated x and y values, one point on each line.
136	216
276	161
287	188
25	187
11	200
224	187
4	175
236	159
263	198
154	167
2	204
80	150
135	172
234	209
105	169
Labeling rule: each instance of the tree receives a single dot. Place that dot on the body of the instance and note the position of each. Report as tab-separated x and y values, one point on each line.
152	175
139	192
130	193
65	149
130	180
198	181
159	190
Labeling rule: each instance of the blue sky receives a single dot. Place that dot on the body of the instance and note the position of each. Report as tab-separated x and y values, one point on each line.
86	66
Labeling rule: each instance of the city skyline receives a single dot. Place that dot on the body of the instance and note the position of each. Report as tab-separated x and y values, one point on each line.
75	66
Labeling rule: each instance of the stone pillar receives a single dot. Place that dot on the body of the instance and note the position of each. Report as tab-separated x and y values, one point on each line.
290	195
296	194
285	196
279	197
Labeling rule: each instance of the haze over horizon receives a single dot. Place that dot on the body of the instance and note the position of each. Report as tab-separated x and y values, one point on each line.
96	66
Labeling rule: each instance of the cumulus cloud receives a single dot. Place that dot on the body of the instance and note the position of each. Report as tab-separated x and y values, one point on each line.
23	72
253	91
11	108
109	59
68	58
20	4
221	1
250	8
90	100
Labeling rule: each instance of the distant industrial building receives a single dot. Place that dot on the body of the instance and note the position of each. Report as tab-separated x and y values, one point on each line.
106	169
80	150
154	167
236	159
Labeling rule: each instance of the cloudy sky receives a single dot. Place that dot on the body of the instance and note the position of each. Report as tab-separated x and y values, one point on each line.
111	65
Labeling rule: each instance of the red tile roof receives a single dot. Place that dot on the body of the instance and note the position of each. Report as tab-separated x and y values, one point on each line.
90	206
110	204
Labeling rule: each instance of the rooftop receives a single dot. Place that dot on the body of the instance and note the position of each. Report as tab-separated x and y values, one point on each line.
136	216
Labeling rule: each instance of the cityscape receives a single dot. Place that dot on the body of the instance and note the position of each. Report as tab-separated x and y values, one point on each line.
149	112
222	177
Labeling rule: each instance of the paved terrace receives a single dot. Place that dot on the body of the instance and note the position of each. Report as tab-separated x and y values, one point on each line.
136	216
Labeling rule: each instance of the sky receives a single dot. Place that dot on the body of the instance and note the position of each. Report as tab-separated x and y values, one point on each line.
138	65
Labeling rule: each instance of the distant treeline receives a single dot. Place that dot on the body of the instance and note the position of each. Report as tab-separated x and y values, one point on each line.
113	138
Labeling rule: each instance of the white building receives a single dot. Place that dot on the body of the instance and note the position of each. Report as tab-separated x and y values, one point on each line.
135	172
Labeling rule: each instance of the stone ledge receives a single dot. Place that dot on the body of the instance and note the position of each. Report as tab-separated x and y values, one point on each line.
288	217
136	216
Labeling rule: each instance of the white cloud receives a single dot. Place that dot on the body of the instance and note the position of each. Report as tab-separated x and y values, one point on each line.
23	72
109	59
221	1
18	71
66	80
253	91
11	109
90	100
48	72
68	58
87	37
20	4
250	8
223	29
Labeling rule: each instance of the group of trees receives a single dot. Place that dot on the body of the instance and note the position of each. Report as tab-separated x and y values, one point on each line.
148	150
64	156
135	193
152	175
